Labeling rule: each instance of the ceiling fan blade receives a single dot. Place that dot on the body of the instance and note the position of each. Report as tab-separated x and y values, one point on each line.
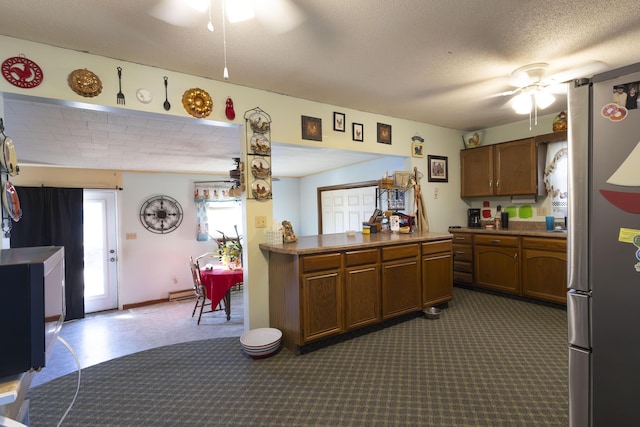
179	12
556	88
585	71
279	16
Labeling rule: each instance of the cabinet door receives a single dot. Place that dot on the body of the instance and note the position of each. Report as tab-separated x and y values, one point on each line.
322	302
497	268
437	279
516	168
400	287
476	172
362	295
544	275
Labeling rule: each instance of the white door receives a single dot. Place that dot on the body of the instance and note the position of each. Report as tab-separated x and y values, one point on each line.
344	210
100	251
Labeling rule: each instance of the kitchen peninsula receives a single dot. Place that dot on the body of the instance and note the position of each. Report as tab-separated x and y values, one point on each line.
326	285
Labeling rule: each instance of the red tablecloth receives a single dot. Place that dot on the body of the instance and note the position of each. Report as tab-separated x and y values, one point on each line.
218	282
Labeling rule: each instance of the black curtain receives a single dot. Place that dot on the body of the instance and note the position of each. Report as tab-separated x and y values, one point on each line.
53	217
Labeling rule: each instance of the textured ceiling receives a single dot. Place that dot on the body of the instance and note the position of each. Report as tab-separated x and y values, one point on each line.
433	61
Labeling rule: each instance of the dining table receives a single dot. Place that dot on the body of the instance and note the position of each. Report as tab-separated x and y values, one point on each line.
218	282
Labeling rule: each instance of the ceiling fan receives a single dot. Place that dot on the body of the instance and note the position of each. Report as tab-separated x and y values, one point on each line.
278	16
534	89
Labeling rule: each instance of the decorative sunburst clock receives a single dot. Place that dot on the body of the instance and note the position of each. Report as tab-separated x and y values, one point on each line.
161	214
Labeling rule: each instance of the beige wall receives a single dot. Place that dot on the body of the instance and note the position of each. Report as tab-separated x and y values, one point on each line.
445	208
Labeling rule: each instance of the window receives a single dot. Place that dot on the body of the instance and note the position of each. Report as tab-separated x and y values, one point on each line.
223	215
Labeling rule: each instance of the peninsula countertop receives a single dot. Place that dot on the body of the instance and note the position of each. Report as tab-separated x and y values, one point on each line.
344	241
519	231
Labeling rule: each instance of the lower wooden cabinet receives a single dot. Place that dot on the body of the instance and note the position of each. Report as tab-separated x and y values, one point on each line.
316	296
362	288
544	269
400	280
497	263
322	296
463	258
437	273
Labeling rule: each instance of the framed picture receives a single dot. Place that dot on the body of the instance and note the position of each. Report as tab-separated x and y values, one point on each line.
357	130
338	122
438	169
384	133
417	149
311	128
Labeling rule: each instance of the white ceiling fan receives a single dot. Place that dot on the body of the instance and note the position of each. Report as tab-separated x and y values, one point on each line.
534	89
278	16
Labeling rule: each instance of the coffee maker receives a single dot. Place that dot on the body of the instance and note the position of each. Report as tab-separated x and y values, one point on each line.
473	218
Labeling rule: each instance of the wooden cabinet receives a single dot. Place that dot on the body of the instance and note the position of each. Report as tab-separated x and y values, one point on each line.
400	280
544	269
463	258
351	282
506	169
437	273
496	262
476	169
321	296
362	288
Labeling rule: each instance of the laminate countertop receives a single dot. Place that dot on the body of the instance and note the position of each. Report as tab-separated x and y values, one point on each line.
534	232
343	241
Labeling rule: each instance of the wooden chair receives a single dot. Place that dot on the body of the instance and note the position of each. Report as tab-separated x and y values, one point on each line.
201	292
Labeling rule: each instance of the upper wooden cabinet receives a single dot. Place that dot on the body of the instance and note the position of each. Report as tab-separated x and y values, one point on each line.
512	168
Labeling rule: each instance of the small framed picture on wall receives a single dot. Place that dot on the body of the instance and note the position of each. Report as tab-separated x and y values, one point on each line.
338	122
384	133
438	168
358	131
311	128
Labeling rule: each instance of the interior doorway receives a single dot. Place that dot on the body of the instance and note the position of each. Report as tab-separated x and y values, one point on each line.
345	207
100	251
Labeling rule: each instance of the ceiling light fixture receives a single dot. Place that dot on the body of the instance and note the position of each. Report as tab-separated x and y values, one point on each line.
225	73
532	94
210	24
239	10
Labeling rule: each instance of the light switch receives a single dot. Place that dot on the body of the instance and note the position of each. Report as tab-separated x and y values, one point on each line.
261	222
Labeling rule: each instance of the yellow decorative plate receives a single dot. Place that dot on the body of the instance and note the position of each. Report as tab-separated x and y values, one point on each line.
85	83
197	102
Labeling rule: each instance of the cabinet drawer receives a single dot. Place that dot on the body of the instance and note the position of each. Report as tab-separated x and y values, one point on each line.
369	256
436	247
544	244
462	238
497	240
397	252
461	277
462	253
466	267
320	262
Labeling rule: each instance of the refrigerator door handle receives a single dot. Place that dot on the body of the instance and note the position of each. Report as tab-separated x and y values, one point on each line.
578	319
578	183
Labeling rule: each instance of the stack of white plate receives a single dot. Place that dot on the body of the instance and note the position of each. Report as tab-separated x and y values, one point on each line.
261	342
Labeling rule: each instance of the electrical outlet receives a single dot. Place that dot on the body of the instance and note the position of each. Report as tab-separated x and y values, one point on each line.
131	236
542	211
261	222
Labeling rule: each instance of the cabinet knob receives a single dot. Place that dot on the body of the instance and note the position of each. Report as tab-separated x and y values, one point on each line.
494	240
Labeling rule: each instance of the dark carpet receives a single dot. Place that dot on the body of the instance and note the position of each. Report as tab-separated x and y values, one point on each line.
488	361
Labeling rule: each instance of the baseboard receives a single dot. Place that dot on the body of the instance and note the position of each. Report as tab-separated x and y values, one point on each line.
183	294
143	303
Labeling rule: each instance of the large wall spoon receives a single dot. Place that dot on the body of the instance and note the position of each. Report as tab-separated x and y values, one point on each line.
167	105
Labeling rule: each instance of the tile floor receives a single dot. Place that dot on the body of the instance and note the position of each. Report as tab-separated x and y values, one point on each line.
103	336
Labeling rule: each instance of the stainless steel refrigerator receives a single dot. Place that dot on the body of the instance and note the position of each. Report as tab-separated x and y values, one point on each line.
603	303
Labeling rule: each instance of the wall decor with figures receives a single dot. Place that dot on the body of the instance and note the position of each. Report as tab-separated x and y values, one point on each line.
8	167
258	134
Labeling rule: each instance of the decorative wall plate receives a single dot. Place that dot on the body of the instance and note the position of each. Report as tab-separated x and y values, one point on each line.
22	72
144	95
261	189
161	214
260	167
260	144
8	157
85	83
11	202
197	102
259	122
